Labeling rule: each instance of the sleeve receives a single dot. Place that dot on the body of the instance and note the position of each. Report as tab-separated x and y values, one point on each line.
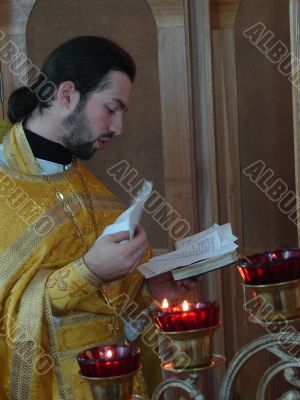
75	287
70	285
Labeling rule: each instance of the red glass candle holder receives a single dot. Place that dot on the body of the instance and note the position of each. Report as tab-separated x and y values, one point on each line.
198	316
271	267
109	361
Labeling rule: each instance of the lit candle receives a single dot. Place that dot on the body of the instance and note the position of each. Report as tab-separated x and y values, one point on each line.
186	317
185	306
109	354
109	361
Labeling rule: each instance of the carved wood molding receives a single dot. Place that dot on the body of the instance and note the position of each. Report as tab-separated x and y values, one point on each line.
167	13
14	15
172	20
224	13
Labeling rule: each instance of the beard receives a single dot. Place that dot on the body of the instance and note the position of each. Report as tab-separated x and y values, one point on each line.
76	133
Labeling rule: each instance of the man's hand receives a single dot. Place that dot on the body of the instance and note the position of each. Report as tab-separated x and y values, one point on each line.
163	286
111	260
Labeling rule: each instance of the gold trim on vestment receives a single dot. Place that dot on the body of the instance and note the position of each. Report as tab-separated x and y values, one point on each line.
38	178
26	152
8	153
83	318
86	274
64	395
12	260
26	341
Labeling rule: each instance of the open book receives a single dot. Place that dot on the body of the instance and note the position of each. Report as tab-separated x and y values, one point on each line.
196	254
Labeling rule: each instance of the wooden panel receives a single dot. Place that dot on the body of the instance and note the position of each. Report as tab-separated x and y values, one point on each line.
266	126
204	113
167	12
265	132
227	133
211	286
12	81
176	124
295	54
176	106
14	15
224	13
228	171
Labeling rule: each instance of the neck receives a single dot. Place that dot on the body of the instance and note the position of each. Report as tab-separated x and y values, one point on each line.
44	125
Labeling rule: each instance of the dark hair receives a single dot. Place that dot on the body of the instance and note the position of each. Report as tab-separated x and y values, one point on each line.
84	60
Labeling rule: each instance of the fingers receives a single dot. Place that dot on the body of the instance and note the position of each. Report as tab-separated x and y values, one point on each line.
187	284
139	243
117	237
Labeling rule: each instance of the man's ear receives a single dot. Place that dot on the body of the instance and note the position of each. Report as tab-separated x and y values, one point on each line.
67	94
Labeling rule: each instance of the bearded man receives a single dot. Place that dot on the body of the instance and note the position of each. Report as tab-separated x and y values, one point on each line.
56	281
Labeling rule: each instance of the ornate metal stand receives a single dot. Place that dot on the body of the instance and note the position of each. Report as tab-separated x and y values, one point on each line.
186	380
288	365
285	344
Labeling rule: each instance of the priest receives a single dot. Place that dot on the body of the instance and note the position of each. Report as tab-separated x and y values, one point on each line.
57	281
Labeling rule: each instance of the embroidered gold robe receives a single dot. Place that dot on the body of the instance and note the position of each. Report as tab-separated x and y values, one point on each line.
42	276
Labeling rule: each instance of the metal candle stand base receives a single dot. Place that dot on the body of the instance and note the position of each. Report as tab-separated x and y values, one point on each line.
186	379
284	300
275	308
115	388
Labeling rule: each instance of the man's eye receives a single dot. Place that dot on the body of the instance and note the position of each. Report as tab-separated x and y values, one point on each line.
110	111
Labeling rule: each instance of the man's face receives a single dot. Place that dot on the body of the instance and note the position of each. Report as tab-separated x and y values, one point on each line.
97	120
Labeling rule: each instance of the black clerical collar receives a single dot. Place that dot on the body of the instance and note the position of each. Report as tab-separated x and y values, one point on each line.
46	150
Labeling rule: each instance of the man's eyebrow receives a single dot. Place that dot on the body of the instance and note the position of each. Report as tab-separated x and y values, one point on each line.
121	105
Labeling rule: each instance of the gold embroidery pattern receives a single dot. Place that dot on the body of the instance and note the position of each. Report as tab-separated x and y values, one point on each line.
86	274
8	153
37	178
58	279
26	151
64	395
17	254
83	318
26	339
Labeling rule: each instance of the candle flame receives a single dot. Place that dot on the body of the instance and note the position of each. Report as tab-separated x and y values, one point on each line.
109	354
185	306
165	304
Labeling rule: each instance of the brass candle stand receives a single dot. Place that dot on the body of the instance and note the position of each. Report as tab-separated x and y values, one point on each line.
275	307
192	348
113	388
186	355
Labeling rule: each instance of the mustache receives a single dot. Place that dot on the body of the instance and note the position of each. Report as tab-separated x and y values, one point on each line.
107	135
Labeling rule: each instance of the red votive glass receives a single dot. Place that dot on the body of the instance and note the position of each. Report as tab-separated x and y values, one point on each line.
272	267
194	316
109	361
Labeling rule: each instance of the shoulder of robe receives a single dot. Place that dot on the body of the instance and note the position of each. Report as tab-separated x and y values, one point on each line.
5	126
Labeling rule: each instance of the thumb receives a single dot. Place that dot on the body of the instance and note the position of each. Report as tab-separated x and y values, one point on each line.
118	237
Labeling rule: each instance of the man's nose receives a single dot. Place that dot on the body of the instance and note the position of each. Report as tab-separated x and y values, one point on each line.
116	126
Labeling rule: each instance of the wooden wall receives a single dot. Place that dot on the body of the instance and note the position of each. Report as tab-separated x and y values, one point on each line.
254	121
265	126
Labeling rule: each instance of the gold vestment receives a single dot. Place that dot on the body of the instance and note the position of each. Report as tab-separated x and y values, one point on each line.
42	275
